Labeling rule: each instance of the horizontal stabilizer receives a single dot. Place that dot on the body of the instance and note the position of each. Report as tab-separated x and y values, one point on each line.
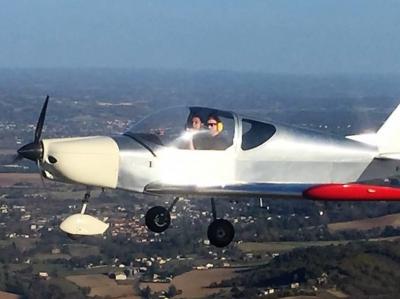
387	139
368	138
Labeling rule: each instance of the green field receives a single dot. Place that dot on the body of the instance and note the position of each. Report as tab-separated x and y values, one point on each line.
22	244
49	256
82	250
278	247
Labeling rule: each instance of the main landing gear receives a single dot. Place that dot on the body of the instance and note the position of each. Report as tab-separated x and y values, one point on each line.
158	218
220	231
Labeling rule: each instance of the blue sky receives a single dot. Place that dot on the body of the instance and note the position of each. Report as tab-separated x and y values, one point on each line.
283	36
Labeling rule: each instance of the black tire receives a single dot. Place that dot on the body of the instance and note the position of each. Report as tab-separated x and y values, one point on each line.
158	219
220	232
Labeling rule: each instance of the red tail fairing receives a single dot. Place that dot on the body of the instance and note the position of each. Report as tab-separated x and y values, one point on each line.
352	192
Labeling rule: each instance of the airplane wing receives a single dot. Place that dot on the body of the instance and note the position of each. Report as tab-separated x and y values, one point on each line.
244	190
323	192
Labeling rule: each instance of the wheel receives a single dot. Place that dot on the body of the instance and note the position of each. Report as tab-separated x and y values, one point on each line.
220	232
158	219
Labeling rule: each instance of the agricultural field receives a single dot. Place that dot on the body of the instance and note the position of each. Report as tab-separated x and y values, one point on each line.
101	285
6	295
11	179
194	284
366	224
7	151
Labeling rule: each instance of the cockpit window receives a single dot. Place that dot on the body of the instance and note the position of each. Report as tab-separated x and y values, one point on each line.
162	127
187	128
255	133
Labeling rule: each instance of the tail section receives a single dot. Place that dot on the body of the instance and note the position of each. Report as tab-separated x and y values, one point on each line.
389	134
387	139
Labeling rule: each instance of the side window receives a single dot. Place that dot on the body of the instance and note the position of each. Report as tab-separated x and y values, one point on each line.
255	133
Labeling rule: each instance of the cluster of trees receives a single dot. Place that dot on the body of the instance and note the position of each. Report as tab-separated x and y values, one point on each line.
360	269
172	291
28	285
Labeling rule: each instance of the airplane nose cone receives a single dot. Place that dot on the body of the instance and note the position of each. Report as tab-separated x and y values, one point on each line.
32	151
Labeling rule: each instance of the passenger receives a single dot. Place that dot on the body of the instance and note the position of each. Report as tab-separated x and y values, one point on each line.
197	125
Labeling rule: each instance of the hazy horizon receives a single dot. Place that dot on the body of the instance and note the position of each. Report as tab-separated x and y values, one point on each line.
282	37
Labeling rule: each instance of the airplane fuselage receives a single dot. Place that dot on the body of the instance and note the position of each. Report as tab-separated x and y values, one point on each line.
292	156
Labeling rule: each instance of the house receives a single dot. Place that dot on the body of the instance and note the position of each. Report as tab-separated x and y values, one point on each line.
294	285
43	275
210	266
56	251
4	209
267	291
120	276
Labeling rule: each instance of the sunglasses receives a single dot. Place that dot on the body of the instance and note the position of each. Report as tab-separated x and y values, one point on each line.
211	124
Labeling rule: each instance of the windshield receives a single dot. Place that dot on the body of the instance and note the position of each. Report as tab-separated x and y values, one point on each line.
193	128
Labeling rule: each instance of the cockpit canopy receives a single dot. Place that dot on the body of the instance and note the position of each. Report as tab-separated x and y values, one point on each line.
177	127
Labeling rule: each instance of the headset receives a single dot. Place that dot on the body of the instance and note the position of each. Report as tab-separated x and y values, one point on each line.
220	125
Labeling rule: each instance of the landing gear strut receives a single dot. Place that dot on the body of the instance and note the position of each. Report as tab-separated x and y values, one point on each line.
158	218
85	201
220	232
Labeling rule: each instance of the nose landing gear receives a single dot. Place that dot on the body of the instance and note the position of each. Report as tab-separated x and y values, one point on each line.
81	224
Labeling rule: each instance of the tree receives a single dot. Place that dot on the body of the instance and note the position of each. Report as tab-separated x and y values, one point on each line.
236	293
172	291
146	293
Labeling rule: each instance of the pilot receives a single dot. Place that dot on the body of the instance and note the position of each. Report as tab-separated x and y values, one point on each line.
214	139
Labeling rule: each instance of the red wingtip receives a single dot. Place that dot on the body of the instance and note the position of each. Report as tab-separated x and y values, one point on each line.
353	192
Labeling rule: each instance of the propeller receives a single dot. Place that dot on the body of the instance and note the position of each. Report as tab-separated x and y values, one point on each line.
15	159
34	150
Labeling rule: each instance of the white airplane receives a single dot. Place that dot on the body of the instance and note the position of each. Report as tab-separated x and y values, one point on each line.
228	154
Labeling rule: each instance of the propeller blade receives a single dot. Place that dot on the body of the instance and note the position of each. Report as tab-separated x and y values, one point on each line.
34	150
16	159
41	173
39	126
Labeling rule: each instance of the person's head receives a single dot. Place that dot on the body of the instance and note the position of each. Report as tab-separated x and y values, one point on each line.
214	124
196	122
